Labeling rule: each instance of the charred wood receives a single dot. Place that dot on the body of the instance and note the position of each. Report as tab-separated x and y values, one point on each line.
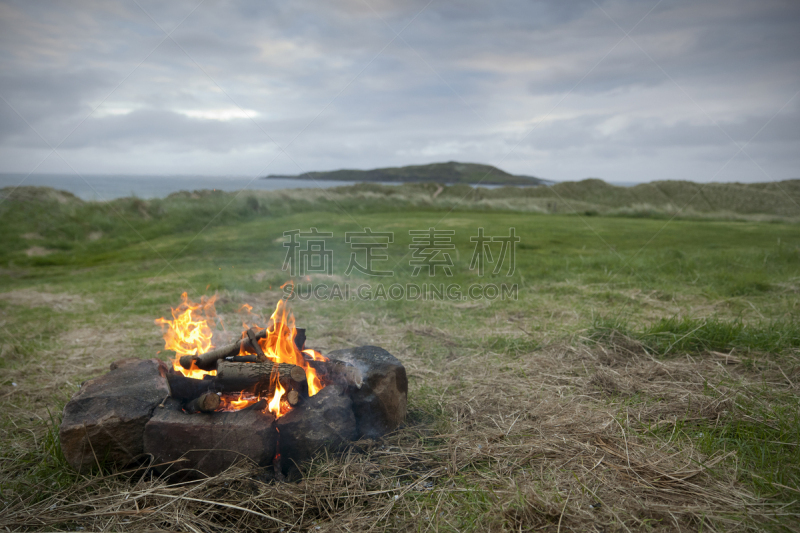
205	403
261	357
260	405
293	397
300	338
248	344
260	373
187	389
300	387
208	360
242	359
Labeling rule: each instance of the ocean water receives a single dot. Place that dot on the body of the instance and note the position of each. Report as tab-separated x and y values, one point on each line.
99	187
107	187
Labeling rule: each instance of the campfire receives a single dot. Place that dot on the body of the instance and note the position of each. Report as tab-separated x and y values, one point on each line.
264	397
267	369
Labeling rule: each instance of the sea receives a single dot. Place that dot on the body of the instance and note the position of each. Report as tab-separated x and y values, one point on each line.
97	187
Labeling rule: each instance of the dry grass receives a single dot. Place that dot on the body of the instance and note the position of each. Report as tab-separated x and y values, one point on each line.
57	301
562	439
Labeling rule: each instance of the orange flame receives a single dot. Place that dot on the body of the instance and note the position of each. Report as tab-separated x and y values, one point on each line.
274	406
314	383
279	346
239	403
189	332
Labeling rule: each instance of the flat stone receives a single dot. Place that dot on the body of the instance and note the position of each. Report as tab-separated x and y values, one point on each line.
208	443
324	421
380	404
104	421
122	362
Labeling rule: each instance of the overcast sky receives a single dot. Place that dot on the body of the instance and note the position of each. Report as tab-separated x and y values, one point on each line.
705	91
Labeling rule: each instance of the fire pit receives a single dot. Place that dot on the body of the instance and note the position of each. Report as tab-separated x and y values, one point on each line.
265	398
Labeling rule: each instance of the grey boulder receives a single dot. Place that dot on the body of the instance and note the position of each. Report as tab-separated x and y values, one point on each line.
380	404
104	421
206	444
324	421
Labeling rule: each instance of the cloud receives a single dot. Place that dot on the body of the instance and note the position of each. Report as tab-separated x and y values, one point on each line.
221	114
519	84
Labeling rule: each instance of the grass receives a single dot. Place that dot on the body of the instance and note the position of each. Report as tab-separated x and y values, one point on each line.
626	364
680	335
762	428
763	443
766	449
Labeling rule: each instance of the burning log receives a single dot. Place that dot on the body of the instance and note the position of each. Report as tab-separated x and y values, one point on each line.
300	338
208	360
205	403
260	405
256	376
293	397
259	372
187	389
242	359
261	357
236	377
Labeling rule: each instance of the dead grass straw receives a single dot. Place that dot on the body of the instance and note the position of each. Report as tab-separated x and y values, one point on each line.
546	442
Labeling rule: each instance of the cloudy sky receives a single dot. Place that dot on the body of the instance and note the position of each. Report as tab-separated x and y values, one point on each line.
622	90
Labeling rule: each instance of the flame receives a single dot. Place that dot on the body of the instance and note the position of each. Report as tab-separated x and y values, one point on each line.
314	383
279	346
274	406
189	332
240	402
315	355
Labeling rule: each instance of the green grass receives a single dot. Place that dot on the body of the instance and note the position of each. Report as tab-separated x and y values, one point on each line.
677	287
590	197
767	449
764	446
686	257
43	464
763	428
674	335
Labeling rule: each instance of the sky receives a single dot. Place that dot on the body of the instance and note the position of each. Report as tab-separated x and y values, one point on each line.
627	91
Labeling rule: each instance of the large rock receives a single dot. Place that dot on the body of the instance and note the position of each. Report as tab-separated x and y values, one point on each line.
380	403
324	421
208	443
104	421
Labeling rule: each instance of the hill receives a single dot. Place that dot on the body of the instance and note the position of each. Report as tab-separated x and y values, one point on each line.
451	172
773	198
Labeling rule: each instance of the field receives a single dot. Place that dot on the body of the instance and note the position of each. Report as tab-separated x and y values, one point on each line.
644	377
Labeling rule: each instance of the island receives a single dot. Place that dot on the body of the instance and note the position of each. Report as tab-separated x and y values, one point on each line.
449	173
